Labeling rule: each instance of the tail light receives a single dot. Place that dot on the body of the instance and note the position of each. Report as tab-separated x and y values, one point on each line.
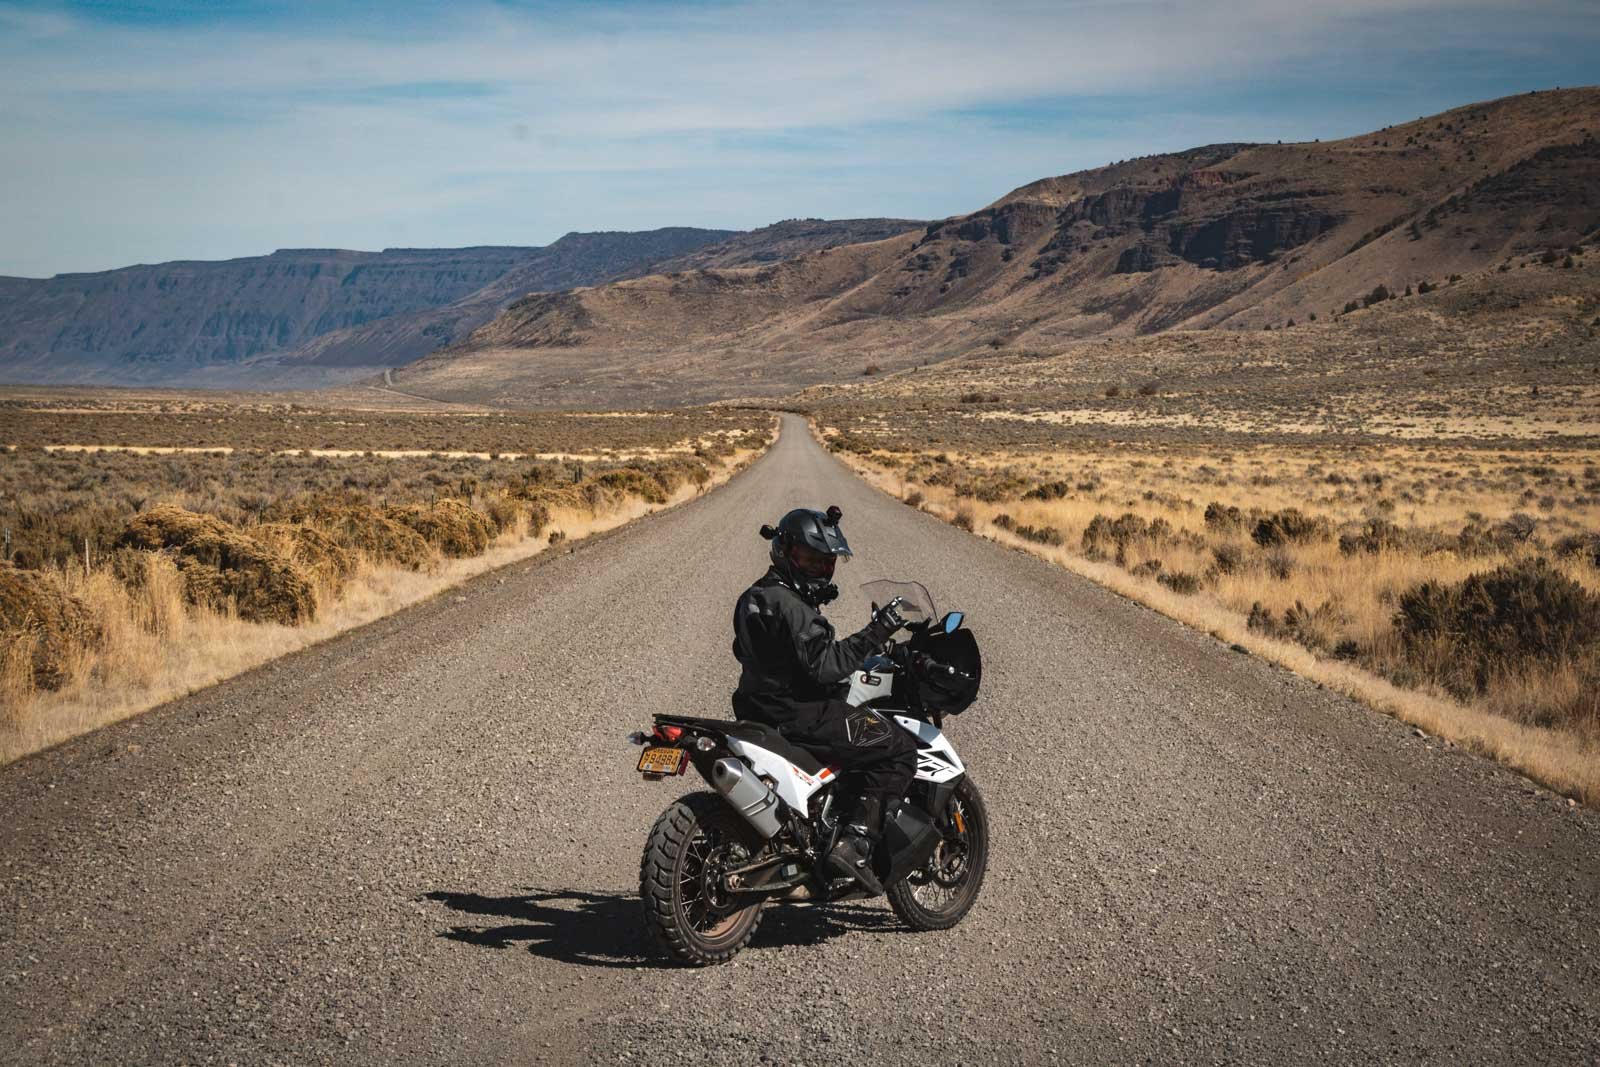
669	734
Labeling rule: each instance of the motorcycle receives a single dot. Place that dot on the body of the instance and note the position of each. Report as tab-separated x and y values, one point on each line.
714	859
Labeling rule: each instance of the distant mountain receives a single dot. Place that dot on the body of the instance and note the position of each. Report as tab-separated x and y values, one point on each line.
575	260
578	259
781	241
1223	237
330	310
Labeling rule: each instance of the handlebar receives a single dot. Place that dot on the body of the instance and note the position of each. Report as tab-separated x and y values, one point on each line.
923	663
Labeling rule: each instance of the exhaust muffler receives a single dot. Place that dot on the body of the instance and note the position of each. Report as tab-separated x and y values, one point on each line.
749	795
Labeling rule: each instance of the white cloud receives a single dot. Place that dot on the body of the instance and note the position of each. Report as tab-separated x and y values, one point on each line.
197	139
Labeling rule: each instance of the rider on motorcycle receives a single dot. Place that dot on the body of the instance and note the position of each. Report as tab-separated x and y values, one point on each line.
792	664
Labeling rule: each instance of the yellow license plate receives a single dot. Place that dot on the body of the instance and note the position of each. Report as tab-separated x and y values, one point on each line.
662	760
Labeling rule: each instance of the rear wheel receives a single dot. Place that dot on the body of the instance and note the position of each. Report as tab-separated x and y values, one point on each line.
939	894
687	907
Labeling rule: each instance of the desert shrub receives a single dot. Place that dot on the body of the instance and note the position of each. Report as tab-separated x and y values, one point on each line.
52	534
361	528
1148	569
1496	623
1042	535
455	528
1585	546
1519	527
1005	521
319	553
1317	628
1476	539
1048	491
628	481
1181	582
1290	526
1280	563
503	510
964	518
1106	537
1378	295
1262	620
853	443
1229	558
1223	517
915	498
43	626
538	519
1381	535
222	566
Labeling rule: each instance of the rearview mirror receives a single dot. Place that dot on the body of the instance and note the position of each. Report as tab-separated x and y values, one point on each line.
952	622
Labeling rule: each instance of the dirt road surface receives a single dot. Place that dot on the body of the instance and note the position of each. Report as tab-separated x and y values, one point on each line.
419	843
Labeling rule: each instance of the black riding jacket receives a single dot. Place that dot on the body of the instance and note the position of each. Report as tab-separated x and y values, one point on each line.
788	651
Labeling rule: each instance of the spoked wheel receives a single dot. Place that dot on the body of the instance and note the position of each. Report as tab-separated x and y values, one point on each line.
686	905
939	894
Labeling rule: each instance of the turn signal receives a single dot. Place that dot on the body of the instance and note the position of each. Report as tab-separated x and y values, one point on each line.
669	733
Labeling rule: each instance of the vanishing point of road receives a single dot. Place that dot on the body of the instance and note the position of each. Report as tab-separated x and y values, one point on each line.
419	843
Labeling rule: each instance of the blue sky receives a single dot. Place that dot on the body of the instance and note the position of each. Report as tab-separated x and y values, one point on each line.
142	132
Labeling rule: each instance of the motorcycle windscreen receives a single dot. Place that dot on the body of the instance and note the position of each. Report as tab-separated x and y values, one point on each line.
916	602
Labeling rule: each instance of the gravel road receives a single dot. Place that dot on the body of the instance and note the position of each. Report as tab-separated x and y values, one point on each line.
419	843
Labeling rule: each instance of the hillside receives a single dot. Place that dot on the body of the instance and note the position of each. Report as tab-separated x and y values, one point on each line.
1510	356
574	260
192	322
1223	237
783	240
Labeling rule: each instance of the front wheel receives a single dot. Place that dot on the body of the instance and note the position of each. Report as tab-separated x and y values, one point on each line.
687	907
939	894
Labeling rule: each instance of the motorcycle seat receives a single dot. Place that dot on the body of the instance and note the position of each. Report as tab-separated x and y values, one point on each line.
756	733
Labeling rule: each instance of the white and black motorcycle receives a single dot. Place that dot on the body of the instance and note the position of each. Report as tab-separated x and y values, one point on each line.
715	859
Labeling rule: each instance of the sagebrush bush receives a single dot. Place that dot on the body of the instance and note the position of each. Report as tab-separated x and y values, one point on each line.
455	528
1381	535
45	626
1290	526
360	528
329	563
223	567
1497	623
1180	582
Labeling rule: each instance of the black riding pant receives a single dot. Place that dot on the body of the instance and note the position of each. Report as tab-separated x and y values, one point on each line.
870	747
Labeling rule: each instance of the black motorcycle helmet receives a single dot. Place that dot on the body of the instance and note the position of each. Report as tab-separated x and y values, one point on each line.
806	546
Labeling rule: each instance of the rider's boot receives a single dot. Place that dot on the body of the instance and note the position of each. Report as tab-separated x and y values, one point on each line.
851	855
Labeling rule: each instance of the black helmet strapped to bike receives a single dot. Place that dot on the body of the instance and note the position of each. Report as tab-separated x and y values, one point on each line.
806	545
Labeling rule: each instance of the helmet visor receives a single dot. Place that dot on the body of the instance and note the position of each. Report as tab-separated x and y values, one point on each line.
813	564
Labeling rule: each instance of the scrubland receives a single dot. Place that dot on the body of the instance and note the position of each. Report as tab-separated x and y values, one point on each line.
1461	578
1403	502
133	575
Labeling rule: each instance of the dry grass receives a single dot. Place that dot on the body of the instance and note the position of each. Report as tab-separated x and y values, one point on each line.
166	600
177	422
1306	555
